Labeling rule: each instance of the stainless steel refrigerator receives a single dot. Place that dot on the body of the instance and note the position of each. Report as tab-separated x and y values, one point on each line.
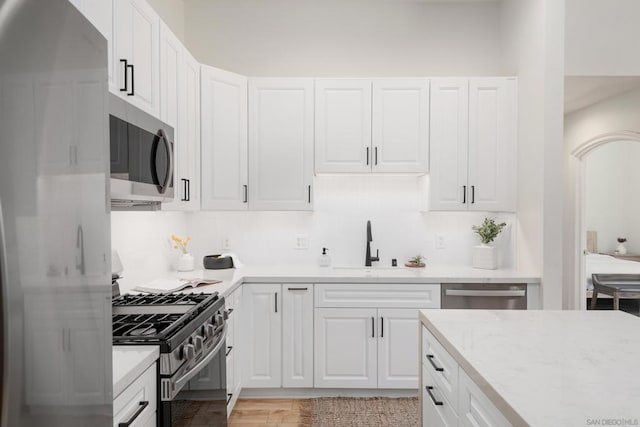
55	339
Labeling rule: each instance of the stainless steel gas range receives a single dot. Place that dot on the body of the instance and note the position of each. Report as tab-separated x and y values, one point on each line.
190	330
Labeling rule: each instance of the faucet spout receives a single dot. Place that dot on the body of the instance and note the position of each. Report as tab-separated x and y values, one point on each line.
368	258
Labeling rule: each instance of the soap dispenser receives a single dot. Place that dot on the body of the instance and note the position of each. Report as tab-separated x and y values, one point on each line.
325	259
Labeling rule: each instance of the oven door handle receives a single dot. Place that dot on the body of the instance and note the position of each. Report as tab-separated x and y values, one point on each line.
182	381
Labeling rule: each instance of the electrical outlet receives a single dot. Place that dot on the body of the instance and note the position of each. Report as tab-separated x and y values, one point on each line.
226	243
302	241
440	243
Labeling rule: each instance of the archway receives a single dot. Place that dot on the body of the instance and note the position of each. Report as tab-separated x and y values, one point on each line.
581	153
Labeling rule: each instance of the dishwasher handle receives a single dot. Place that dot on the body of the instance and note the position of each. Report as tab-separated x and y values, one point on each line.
485	293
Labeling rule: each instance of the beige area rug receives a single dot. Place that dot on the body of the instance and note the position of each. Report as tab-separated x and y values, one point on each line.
365	412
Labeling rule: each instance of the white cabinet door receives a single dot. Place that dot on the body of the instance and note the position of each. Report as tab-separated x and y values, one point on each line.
398	337
448	144
343	125
345	348
297	335
280	144
476	410
263	335
170	73
136	32
100	14
401	125
224	140
492	144
85	387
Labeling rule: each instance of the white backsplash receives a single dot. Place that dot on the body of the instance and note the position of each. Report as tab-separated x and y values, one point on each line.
342	206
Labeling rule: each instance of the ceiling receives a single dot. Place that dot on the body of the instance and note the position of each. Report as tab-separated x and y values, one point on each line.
580	92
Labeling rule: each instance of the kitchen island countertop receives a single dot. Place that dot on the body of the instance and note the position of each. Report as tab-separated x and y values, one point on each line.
548	368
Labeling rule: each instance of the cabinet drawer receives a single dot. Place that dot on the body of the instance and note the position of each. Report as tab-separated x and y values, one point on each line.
130	401
442	367
377	295
435	414
475	407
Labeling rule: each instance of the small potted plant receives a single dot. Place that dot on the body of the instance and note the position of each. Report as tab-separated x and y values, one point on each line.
485	255
621	249
415	262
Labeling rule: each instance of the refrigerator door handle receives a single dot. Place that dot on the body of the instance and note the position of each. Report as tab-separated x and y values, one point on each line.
4	387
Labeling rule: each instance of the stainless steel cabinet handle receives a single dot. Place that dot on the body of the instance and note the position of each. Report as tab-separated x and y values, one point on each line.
436	367
141	407
376	151
184	190
381	327
246	195
367	156
373	327
276	302
479	293
435	402
464	194
473	194
297	289
309	194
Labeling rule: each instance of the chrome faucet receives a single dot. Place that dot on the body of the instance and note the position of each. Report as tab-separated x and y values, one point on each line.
368	258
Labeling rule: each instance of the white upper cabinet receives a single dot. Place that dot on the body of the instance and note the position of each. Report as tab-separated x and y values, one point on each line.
100	14
492	144
473	144
400	125
224	140
136	54
449	143
281	144
180	108
343	125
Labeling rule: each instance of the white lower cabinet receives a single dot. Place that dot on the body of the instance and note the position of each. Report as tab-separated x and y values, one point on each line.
366	334
278	335
345	348
136	406
233	352
448	397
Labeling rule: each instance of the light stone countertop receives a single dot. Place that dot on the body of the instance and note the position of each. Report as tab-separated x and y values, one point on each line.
129	362
548	368
232	278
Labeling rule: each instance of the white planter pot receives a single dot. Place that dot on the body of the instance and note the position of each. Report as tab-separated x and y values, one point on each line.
485	256
185	263
621	249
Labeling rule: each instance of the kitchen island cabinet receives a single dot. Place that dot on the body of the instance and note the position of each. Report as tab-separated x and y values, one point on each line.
516	367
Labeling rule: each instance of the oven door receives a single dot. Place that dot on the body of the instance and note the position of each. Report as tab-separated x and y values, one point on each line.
205	397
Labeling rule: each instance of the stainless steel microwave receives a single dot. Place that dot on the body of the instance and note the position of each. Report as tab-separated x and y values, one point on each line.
142	157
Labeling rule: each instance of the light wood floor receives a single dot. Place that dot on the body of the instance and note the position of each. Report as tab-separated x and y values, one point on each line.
271	412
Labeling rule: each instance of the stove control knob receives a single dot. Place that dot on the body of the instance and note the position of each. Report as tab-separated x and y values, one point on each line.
211	330
189	352
199	342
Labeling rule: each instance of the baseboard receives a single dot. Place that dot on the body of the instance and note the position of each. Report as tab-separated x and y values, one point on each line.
308	393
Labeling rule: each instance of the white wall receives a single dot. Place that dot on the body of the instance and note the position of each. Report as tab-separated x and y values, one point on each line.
142	242
602	37
533	33
612	194
612	115
359	38
342	206
172	13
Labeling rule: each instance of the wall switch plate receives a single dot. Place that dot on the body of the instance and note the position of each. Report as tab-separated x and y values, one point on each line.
302	241
440	243
226	243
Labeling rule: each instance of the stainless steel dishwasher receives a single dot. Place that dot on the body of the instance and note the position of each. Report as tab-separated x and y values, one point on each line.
488	296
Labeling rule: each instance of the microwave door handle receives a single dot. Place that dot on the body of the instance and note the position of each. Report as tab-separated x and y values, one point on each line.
167	144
